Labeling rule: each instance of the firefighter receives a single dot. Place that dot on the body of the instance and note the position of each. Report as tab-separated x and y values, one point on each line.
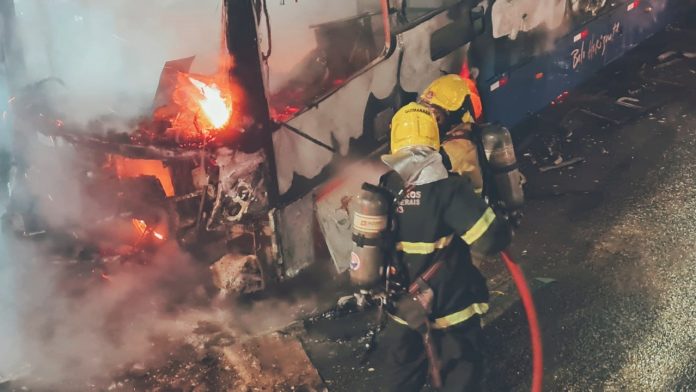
436	295
455	102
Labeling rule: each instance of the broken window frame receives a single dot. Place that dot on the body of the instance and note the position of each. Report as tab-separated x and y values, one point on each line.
386	50
405	24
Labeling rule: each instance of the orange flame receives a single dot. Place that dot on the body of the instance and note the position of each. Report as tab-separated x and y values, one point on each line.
132	168
213	105
200	106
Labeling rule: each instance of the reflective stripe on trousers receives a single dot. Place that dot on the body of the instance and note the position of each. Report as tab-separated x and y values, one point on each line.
451	319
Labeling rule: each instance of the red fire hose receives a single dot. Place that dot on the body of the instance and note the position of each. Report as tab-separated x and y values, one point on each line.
535	333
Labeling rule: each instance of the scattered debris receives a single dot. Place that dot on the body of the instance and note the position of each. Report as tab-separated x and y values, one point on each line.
629	102
530	157
238	274
597	115
666	55
672	55
271	363
545	280
567	163
667	64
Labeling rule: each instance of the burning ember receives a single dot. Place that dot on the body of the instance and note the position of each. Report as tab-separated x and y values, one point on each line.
217	110
144	229
285	114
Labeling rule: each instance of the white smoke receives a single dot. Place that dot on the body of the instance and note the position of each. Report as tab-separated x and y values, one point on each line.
63	324
61	321
58	329
10	347
293	27
109	54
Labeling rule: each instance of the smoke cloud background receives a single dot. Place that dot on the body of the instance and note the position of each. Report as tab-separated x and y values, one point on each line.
57	330
110	53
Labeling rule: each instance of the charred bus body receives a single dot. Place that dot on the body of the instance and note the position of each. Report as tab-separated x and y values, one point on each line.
267	195
535	50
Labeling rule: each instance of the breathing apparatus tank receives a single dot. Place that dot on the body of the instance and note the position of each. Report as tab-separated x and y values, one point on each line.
500	154
370	217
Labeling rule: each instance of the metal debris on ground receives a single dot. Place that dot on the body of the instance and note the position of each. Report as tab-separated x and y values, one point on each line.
530	157
561	165
629	102
668	63
599	116
666	55
673	54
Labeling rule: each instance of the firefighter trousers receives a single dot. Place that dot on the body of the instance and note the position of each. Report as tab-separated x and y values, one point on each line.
458	348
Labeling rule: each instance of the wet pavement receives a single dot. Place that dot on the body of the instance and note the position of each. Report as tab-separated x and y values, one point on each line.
609	244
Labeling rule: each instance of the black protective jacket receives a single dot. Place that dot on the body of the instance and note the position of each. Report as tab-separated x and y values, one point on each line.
446	220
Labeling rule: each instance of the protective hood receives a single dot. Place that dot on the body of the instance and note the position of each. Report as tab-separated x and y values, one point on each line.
417	165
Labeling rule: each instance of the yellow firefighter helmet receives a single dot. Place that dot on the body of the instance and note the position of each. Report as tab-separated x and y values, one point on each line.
414	125
450	92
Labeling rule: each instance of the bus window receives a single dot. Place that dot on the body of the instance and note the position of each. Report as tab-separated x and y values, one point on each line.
524	29
412	10
584	10
315	46
509	18
465	26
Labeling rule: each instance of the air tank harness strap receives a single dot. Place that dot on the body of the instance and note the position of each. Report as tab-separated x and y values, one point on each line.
505	169
451	319
362	241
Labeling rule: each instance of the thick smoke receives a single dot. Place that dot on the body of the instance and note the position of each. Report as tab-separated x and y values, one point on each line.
63	329
109	54
69	320
64	324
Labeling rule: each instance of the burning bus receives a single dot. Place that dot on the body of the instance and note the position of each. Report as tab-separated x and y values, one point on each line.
250	163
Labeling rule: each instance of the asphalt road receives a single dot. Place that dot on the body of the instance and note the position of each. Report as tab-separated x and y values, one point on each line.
618	237
609	245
